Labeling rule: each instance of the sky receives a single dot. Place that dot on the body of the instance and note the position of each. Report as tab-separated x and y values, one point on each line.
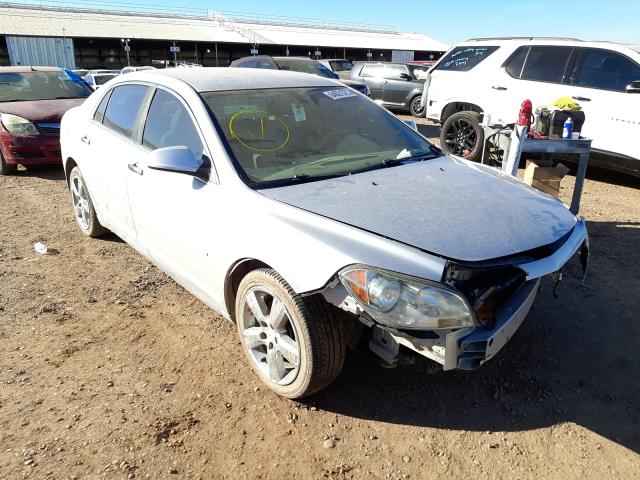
448	21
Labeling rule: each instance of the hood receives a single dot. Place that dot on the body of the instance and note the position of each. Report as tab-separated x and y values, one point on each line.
41	110
445	206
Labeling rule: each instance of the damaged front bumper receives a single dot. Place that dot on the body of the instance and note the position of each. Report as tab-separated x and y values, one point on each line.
468	348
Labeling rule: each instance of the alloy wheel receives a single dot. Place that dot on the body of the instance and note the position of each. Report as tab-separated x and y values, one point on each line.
461	137
80	199
270	336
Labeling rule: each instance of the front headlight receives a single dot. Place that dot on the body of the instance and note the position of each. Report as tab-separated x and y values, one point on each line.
18	126
401	301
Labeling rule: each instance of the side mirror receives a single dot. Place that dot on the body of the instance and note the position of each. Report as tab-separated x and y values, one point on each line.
634	87
405	76
411	124
176	159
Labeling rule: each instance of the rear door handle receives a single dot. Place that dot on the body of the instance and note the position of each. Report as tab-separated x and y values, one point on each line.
135	168
85	139
581	99
498	87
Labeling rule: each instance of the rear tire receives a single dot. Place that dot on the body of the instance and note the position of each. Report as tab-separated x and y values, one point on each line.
416	109
295	344
462	135
84	212
6	169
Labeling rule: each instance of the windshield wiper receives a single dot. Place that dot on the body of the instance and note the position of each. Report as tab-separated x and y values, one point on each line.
396	161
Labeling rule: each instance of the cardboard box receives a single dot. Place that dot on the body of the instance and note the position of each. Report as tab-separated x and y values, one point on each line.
546	179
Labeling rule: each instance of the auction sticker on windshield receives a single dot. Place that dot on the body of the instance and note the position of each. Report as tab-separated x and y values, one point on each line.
338	94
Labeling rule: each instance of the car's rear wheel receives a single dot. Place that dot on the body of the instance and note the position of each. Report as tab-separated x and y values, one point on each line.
296	345
415	108
83	209
462	135
5	168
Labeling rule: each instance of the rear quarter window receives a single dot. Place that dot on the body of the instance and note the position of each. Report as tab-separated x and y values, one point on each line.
463	59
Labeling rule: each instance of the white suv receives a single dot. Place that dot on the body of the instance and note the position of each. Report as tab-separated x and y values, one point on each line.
491	77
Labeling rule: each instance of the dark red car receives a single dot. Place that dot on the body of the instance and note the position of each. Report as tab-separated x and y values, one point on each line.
32	102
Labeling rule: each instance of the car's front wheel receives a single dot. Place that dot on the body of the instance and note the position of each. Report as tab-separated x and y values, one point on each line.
415	108
5	168
462	135
296	345
83	209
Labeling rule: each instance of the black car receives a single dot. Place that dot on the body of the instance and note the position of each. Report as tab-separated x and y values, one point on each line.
297	64
394	85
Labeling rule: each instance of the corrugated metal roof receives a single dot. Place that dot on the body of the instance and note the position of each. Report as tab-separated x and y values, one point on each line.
292	35
72	22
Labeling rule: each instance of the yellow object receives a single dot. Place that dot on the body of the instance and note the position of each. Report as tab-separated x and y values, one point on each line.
567	104
260	131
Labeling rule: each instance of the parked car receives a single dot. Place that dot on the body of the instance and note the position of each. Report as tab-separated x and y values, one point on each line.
339	66
102	70
32	102
126	70
393	85
340	222
296	64
491	77
95	81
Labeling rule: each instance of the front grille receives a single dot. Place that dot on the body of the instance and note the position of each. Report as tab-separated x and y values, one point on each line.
25	155
486	288
52	129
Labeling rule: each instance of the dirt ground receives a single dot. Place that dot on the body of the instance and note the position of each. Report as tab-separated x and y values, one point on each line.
108	369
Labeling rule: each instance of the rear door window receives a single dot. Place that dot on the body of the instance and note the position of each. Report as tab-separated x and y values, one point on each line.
372	70
124	108
463	59
98	116
546	64
604	69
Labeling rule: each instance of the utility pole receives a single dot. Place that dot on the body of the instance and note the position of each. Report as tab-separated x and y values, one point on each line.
127	49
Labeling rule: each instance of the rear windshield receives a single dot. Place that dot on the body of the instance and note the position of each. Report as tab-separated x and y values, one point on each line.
305	66
29	86
102	79
463	59
341	65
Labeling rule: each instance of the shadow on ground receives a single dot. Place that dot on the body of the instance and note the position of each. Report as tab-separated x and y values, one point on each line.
573	360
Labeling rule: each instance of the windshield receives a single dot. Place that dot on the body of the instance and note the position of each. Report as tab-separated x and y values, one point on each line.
341	65
305	66
102	79
287	135
26	86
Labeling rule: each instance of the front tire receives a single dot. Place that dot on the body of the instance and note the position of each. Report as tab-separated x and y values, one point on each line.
5	168
296	345
416	109
462	135
83	209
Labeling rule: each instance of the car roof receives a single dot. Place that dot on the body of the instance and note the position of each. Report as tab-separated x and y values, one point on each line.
208	79
23	69
559	41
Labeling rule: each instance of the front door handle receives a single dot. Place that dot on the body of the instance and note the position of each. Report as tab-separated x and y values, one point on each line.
498	87
135	168
385	82
581	99
85	139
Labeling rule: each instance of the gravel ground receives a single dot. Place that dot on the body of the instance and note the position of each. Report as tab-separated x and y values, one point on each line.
108	369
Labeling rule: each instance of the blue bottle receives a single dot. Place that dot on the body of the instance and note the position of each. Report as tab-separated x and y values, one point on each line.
567	129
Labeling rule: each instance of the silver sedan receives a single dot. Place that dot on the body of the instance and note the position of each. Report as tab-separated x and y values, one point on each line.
312	218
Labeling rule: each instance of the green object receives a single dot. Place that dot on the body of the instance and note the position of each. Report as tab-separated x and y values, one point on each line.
567	104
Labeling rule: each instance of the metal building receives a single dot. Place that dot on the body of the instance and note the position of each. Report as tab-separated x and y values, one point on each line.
79	35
